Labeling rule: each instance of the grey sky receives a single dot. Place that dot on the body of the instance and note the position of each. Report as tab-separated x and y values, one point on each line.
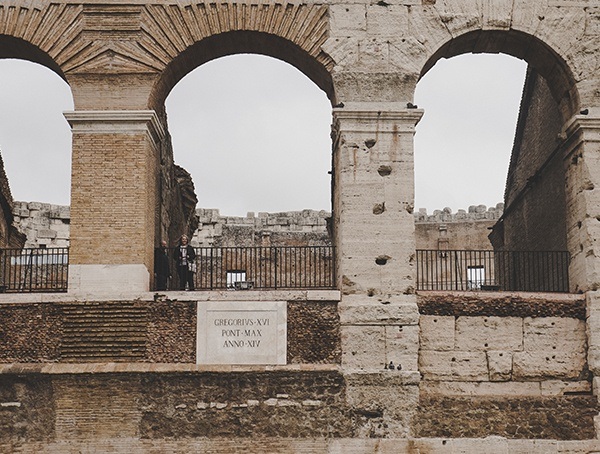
254	133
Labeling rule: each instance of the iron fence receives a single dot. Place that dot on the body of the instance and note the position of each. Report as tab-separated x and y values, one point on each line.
528	271
274	267
34	270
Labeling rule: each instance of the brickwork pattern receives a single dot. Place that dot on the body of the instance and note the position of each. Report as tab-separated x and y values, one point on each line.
116	226
163	331
535	192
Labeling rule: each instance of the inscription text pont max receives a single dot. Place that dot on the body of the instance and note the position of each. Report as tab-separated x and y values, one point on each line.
249	335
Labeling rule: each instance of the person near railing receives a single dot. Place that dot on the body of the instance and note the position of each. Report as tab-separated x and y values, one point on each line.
185	257
162	270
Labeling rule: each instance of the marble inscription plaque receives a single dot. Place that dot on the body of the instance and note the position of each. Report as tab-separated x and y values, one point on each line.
242	332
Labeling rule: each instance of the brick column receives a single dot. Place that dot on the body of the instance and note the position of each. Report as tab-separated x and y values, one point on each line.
374	234
113	199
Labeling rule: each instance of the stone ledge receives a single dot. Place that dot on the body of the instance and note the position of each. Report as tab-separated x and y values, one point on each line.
200	295
376	313
383	379
328	446
110	368
507	389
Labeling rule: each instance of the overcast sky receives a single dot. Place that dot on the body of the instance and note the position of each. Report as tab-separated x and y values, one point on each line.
255	133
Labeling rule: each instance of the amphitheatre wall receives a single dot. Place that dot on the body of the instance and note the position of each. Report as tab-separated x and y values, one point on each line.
507	372
47	225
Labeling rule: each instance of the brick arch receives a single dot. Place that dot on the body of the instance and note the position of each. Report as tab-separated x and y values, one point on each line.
540	55
17	48
184	38
41	35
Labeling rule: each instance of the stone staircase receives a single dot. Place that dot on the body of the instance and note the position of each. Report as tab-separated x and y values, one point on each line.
104	332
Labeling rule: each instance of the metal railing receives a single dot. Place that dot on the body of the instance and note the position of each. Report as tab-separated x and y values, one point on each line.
273	267
34	270
528	271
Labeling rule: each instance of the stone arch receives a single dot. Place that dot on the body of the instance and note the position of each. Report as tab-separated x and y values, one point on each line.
291	33
537	53
41	34
537	213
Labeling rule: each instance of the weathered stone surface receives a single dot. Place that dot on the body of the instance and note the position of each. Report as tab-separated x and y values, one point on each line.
30	333
502	305
363	347
437	332
559	418
379	313
500	365
544	365
457	365
553	348
489	333
383	413
481	389
313	332
401	346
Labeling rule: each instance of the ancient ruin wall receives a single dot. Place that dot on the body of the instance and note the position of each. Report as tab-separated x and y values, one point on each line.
47	225
535	212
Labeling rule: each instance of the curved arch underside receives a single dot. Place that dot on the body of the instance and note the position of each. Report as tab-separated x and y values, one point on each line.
171	39
525	47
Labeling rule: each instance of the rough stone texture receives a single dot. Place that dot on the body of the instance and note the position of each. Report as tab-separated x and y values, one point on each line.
30	332
244	405
171	332
120	59
437	332
27	409
501	305
383	402
10	236
559	418
489	333
481	343
313	332
34	218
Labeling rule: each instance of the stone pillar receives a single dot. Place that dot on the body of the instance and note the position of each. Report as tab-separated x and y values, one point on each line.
374	234
582	178
113	199
373	201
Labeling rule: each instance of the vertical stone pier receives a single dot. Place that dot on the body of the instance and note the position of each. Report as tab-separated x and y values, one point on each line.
373	209
113	199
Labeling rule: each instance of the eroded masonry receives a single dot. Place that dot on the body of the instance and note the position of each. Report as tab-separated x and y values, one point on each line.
262	356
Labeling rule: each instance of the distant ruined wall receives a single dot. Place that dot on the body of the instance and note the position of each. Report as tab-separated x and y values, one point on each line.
461	230
48	225
9	235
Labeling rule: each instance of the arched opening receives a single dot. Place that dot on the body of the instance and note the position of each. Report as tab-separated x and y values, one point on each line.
35	141
534	214
35	138
465	138
239	125
239	110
